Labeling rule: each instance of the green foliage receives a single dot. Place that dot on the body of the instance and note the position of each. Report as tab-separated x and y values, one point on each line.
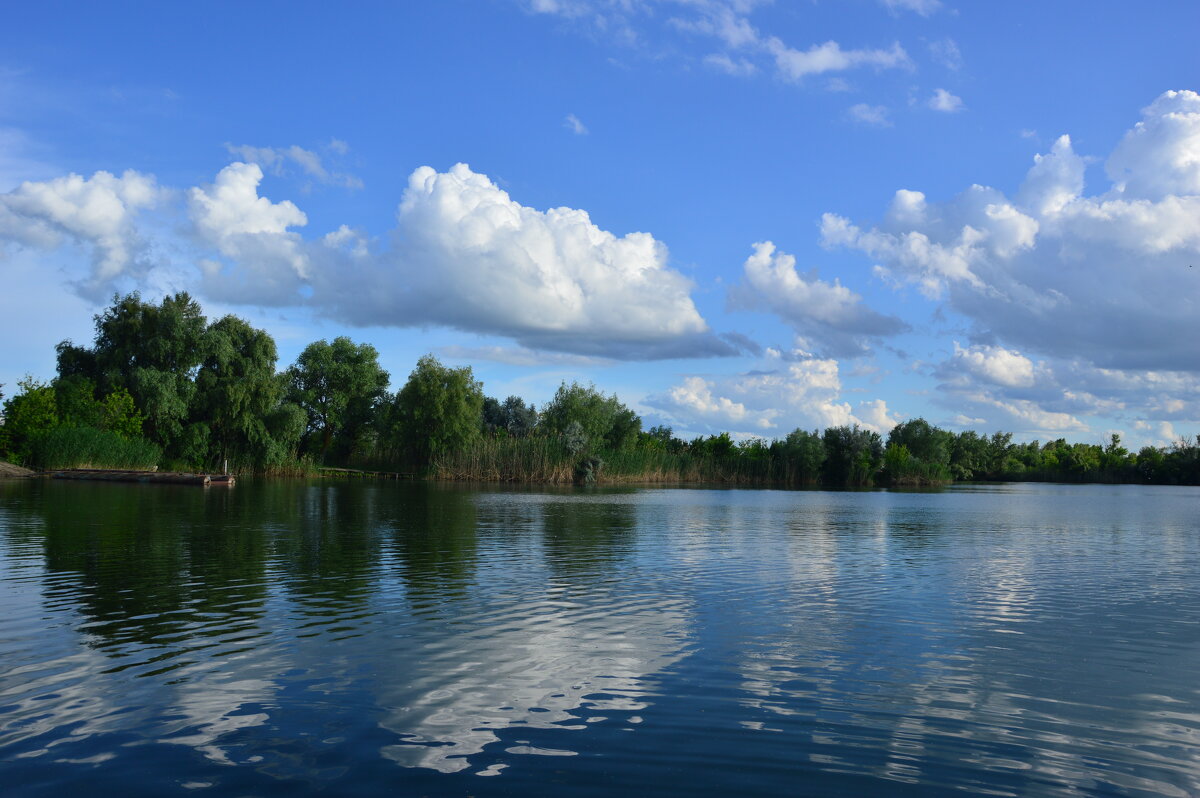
512	417
89	447
339	385
918	454
437	411
853	456
28	414
237	393
119	414
804	454
149	350
925	442
604	420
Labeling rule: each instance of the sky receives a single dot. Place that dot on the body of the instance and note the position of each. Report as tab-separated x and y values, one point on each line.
737	215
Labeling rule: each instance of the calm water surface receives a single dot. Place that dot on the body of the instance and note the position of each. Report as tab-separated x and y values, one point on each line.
287	638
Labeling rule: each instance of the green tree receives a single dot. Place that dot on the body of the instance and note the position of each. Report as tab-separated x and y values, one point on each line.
30	413
603	419
119	414
853	456
438	410
339	386
804	453
152	351
237	396
925	442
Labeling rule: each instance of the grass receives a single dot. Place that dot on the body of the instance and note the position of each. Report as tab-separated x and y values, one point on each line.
88	447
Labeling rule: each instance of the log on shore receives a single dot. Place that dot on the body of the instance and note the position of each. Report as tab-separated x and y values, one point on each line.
157	477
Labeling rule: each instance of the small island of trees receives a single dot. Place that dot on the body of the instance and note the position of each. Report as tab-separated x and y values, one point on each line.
161	386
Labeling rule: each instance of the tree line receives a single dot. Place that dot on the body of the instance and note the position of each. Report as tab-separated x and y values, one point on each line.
162	386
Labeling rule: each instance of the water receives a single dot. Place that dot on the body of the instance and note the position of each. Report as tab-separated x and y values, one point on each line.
288	638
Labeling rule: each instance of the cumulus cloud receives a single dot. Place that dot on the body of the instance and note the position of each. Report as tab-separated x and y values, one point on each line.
995	364
802	392
466	255
463	254
97	212
1160	156
276	160
1104	277
830	317
269	262
1002	388
945	102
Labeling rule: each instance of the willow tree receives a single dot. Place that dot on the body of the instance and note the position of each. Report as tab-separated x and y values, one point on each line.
603	419
438	410
153	352
339	386
240	400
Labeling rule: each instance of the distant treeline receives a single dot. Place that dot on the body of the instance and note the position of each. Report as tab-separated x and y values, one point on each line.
162	386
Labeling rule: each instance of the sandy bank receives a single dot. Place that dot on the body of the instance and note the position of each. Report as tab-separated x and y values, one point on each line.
8	470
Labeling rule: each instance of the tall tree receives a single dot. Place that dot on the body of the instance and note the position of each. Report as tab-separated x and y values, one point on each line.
439	409
339	386
852	455
604	420
238	395
150	350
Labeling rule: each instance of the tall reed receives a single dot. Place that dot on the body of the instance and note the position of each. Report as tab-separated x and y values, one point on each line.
88	447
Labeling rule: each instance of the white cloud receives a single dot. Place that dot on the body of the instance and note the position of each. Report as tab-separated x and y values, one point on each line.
573	124
769	403
922	7
728	23
463	255
1160	156
829	316
467	255
694	397
945	102
276	160
794	64
946	52
1104	277
1002	388
876	115
739	68
995	364
269	262
97	212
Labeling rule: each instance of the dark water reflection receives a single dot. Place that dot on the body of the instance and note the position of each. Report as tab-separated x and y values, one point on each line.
368	639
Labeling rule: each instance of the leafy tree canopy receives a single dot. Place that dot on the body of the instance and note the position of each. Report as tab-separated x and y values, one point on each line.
339	386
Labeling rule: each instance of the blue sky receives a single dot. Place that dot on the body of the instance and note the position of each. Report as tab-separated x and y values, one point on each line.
737	215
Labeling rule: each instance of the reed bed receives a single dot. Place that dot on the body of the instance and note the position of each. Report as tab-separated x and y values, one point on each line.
88	447
540	460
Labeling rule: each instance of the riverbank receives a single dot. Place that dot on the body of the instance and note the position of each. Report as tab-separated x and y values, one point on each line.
10	471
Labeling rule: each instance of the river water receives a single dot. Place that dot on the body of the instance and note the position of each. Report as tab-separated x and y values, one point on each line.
292	638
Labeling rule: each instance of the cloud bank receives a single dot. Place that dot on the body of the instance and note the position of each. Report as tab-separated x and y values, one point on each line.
463	254
1107	277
